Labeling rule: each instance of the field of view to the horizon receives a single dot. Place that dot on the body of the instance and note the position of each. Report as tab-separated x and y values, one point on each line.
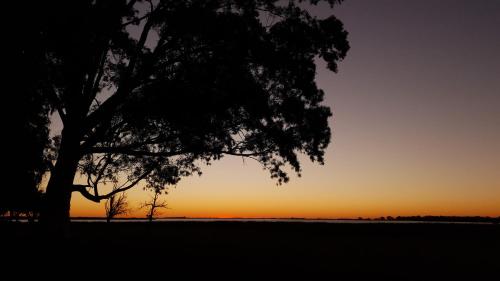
415	126
252	139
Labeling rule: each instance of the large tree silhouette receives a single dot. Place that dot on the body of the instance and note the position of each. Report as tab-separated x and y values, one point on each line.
149	90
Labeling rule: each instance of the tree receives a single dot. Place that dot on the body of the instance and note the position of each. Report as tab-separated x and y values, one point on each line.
153	205
116	205
26	152
149	90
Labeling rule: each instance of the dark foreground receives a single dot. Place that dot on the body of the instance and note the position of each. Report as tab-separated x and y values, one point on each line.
241	250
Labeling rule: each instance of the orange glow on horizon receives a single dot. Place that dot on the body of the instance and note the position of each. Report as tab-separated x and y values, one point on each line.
193	200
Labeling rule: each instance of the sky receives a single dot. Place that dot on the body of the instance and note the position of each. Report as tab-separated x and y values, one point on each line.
416	125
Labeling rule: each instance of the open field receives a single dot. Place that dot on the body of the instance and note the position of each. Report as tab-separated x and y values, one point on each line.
256	249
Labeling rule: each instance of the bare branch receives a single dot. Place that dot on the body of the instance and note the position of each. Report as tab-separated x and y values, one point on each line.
116	205
153	205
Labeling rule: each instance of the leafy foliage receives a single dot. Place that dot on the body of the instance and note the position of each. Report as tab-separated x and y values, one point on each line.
148	90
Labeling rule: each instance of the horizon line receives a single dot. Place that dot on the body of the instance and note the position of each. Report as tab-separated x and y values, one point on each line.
292	218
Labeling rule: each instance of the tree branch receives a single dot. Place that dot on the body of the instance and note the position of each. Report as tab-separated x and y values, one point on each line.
105	111
83	190
128	151
131	4
97	198
57	102
92	87
136	20
97	135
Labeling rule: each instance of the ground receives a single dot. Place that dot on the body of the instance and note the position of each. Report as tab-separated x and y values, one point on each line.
261	250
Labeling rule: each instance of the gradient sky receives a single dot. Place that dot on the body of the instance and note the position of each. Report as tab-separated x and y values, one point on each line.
416	126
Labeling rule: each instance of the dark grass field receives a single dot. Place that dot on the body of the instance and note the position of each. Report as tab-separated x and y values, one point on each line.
264	250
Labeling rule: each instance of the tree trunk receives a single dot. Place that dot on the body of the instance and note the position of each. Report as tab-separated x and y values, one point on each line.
55	213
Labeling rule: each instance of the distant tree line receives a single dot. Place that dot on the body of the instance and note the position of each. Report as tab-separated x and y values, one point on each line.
486	219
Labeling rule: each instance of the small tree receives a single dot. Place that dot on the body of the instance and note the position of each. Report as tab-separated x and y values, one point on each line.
153	205
116	205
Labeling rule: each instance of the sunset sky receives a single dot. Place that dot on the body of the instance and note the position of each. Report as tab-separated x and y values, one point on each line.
416	125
